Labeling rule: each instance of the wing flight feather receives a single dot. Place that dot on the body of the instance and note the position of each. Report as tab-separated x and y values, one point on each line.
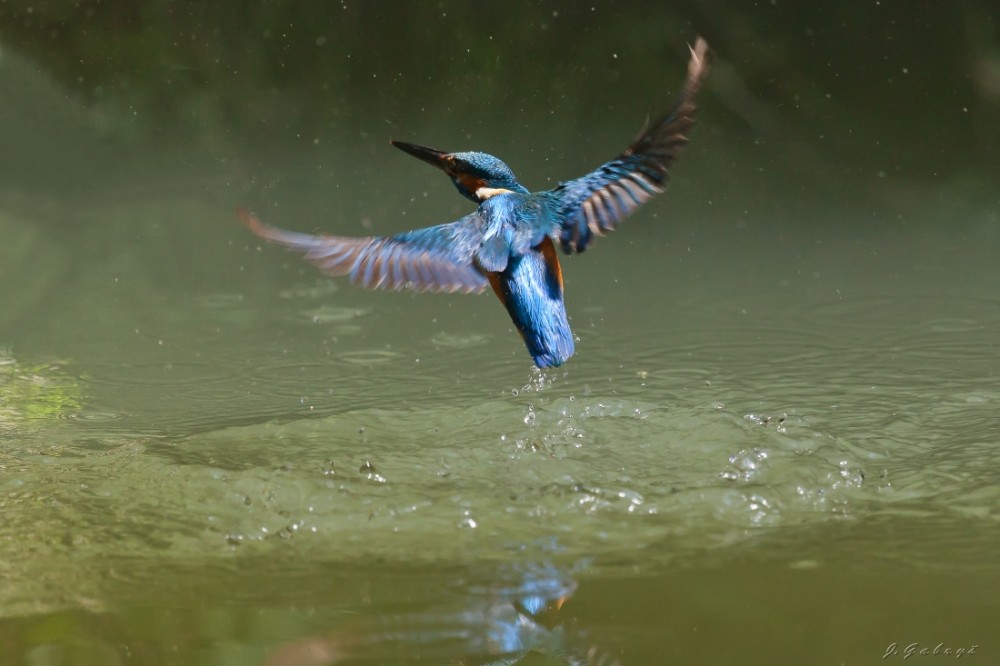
596	203
433	259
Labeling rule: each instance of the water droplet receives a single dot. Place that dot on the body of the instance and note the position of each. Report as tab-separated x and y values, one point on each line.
368	469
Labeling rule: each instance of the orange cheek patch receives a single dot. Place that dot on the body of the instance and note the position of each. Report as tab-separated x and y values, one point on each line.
471	183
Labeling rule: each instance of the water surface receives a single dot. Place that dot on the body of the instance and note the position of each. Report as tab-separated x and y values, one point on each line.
776	443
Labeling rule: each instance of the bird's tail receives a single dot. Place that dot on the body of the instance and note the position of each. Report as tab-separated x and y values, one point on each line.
550	343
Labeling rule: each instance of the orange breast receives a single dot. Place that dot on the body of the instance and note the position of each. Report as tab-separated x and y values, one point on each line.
494	279
551	260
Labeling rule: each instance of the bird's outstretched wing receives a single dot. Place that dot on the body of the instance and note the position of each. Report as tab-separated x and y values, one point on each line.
433	259
598	202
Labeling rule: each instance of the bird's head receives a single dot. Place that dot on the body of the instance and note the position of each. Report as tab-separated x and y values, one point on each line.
477	176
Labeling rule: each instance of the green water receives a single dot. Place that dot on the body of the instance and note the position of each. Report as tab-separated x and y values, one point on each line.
777	442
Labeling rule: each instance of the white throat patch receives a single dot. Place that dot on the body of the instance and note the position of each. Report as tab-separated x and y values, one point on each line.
485	193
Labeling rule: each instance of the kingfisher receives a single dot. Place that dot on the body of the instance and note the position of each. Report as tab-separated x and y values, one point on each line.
508	242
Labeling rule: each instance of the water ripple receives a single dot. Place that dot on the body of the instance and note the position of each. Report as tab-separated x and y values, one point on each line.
703	437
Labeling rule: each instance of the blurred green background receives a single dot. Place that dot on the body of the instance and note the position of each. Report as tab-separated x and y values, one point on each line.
867	90
775	444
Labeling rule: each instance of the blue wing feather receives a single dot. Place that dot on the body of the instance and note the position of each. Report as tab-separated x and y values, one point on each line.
598	202
437	258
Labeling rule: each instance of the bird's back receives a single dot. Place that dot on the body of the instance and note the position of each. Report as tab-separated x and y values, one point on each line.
521	263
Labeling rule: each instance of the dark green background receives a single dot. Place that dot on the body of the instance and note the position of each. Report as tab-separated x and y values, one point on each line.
855	89
775	444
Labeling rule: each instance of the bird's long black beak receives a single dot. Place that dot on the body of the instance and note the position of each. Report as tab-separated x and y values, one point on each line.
434	157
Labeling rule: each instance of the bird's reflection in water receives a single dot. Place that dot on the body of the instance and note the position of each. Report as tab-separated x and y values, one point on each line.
516	621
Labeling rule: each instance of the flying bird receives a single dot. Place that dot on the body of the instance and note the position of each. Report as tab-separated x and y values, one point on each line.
508	242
